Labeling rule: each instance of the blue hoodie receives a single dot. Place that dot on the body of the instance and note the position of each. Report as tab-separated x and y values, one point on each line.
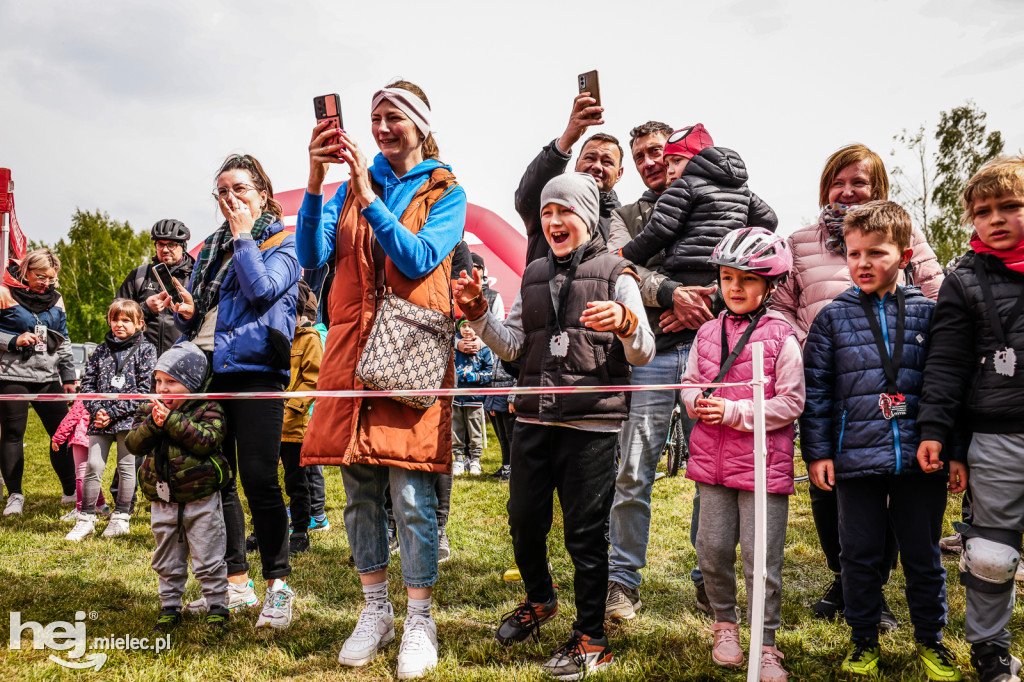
414	255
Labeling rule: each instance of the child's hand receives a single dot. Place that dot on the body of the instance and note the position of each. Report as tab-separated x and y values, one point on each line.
711	410
928	455
957	477
53	445
101	419
160	412
467	287
822	473
602	316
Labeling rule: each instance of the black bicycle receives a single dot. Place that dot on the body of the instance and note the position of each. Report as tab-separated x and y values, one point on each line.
677	452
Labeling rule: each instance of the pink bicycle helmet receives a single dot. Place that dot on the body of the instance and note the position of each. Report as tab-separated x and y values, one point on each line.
754	249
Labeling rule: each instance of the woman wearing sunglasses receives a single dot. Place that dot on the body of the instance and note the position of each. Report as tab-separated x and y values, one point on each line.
35	357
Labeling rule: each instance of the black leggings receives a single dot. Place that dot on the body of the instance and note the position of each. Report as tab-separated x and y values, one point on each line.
252	444
14	418
296	484
504	423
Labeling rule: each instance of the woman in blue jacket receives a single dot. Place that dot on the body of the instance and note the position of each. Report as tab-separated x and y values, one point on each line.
240	309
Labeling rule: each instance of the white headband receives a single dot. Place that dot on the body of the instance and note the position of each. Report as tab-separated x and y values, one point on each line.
411	105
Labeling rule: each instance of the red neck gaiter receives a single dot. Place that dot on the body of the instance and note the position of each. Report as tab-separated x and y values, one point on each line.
1012	258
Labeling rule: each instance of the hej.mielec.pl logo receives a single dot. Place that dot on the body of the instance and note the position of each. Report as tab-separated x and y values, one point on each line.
61	635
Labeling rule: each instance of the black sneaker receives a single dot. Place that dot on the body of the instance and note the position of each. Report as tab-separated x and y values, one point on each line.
888	623
251	544
582	654
525	620
503	473
217	618
703	603
994	663
297	543
168	619
831	605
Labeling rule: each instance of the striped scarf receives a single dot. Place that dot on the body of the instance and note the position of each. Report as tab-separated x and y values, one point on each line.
214	262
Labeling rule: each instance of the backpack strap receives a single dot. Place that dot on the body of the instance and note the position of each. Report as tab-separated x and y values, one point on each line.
141	273
275	240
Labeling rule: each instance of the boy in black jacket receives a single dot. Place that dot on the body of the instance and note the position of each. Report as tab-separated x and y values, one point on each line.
974	373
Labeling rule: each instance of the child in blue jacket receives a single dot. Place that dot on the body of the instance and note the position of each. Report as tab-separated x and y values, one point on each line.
863	363
468	422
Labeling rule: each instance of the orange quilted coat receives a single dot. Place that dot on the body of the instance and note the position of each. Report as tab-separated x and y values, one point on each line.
378	430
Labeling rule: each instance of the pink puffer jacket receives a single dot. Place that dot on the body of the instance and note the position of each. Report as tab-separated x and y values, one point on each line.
819	275
73	427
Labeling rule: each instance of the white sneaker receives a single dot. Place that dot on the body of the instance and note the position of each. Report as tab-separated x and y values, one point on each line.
240	596
374	630
15	504
277	607
418	652
474	467
69	499
458	467
118	525
84	527
70	516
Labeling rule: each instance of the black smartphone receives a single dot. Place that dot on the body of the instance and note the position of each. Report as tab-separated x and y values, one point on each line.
588	83
328	108
163	275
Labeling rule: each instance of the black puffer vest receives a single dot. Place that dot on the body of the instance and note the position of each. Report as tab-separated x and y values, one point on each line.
593	359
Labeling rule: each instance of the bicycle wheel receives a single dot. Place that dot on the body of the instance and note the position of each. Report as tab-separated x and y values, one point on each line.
675	448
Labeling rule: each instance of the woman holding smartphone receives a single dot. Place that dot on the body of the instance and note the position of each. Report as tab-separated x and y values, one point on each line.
240	309
404	213
35	357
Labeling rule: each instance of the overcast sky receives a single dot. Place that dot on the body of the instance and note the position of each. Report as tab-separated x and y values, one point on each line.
130	107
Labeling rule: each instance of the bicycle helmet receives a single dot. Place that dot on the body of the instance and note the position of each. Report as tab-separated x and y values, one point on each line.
755	249
171	230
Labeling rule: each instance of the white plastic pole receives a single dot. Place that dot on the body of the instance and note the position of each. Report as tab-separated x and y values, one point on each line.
756	614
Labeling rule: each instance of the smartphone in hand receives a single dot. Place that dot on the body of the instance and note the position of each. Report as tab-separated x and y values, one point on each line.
328	108
163	275
588	83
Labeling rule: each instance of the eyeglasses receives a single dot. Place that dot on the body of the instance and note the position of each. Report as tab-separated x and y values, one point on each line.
238	190
44	278
166	246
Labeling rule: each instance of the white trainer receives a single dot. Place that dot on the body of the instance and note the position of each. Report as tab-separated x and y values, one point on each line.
374	630
458	467
84	527
70	516
15	504
474	467
418	652
118	525
240	596
277	607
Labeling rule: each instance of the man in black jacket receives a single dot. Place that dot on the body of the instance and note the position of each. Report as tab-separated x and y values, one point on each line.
601	157
141	285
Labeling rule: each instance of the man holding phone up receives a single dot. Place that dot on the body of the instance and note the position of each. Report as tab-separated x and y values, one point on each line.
601	157
170	237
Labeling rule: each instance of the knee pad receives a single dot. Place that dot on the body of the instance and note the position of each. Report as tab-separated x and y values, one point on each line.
988	562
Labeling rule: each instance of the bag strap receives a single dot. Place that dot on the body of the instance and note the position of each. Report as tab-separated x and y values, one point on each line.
272	241
141	273
728	360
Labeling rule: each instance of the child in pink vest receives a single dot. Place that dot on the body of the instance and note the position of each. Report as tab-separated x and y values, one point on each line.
72	430
752	262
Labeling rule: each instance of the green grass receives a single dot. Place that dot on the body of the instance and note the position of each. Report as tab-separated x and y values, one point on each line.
47	579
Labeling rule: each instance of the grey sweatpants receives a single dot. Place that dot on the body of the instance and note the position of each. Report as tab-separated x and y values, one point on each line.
996	462
467	431
99	447
206	542
727	518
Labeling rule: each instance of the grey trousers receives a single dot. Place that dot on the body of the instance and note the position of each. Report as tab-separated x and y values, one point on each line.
206	542
727	518
996	462
99	448
467	431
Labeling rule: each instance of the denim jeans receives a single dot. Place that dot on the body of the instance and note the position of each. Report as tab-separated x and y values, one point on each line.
642	443
415	506
317	491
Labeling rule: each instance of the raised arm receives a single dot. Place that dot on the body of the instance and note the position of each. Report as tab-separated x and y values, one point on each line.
670	213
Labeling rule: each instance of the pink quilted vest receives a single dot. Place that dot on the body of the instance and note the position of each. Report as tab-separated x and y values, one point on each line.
720	455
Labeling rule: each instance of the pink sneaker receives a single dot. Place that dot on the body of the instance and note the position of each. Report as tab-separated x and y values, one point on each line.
727	651
771	665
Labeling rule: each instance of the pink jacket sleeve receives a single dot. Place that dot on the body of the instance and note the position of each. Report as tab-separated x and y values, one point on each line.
691	376
786	298
927	271
68	424
788	403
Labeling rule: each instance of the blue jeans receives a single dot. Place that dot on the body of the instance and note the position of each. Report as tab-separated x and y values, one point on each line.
642	443
415	507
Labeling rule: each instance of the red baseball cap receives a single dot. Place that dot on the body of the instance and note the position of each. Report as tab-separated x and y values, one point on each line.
688	141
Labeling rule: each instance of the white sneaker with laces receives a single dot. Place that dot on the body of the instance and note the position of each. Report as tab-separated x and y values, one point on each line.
118	525
418	652
474	467
277	606
68	499
84	527
70	516
374	630
15	504
240	596
458	467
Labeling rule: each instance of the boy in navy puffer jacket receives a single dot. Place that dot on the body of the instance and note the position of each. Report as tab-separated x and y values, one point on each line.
864	363
468	423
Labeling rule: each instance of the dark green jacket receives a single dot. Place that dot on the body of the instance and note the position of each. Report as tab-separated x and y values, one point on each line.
184	458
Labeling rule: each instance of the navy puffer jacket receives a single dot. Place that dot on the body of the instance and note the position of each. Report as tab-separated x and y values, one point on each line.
695	212
842	419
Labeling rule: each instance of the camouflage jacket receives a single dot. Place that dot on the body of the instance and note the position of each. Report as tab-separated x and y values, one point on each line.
184	458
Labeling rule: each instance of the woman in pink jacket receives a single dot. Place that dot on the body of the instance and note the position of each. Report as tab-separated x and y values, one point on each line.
852	176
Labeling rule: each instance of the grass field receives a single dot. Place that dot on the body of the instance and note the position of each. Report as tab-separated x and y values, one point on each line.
47	579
